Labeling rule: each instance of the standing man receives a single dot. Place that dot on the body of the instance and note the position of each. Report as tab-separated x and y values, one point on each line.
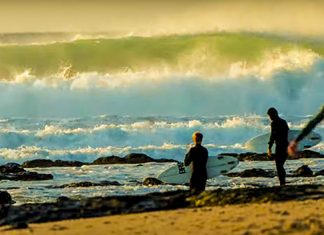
197	157
292	149
279	136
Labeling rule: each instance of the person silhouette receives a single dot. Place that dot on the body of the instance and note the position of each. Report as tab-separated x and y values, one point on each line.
279	136
197	156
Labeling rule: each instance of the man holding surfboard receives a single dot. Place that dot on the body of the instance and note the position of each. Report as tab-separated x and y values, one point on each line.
197	157
279	136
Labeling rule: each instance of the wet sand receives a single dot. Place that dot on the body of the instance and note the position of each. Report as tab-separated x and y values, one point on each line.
292	217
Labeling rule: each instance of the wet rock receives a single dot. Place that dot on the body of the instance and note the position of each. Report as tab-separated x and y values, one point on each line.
5	203
109	160
222	197
97	206
303	171
309	154
50	163
133	158
150	181
25	176
319	173
11	168
18	225
248	156
66	208
5	198
87	184
251	156
252	173
138	158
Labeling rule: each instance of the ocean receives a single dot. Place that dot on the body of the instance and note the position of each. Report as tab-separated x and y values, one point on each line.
80	97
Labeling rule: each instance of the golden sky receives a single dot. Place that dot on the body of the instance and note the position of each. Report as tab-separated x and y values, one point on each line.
158	17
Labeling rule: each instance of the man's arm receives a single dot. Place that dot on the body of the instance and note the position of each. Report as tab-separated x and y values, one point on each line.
272	137
292	148
311	125
188	158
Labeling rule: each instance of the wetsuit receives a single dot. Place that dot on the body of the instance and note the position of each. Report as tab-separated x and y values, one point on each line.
197	156
311	125
279	135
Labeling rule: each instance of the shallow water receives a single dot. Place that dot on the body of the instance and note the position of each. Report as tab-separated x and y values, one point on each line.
131	178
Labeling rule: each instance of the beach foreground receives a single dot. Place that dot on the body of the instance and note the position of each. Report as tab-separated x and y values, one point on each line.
292	217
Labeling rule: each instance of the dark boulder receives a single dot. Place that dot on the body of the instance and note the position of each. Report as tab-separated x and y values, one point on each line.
308	154
26	176
5	198
150	181
50	163
137	158
109	160
37	163
11	168
252	173
321	172
132	158
87	184
5	203
303	171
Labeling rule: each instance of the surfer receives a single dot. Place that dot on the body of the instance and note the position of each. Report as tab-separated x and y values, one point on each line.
197	156
292	148
279	136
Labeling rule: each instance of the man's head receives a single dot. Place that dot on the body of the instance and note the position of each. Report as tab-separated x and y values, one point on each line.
273	113
197	137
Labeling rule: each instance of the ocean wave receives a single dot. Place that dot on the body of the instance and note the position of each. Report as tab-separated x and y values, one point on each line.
166	150
208	55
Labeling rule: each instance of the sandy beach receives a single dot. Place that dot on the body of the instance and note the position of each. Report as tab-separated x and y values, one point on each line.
293	217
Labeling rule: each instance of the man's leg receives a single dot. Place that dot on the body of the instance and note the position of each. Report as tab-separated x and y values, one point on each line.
280	161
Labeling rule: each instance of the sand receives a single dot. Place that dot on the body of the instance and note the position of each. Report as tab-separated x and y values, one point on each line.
293	217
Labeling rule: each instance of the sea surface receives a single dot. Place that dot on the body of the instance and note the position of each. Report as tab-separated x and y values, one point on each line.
85	139
79	97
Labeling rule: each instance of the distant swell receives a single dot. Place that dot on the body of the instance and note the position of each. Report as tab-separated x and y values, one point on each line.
226	54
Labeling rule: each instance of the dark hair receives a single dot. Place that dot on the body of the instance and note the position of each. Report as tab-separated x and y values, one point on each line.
272	112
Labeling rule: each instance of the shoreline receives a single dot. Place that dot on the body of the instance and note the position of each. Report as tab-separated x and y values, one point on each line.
293	217
66	208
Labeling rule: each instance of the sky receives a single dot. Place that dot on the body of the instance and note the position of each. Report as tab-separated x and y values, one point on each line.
302	17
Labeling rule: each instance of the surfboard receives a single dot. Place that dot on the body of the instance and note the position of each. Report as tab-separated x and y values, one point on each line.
260	143
179	174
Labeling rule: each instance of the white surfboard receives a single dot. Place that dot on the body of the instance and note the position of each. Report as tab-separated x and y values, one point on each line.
215	166
260	143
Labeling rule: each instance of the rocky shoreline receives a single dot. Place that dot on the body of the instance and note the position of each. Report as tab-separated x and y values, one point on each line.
138	158
66	208
14	171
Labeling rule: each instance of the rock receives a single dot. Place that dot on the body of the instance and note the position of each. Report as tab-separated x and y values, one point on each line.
37	163
87	184
109	160
18	225
138	158
150	181
50	163
252	173
5	203
11	168
66	208
309	154
5	198
26	176
321	172
303	171
133	158
251	156
248	156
